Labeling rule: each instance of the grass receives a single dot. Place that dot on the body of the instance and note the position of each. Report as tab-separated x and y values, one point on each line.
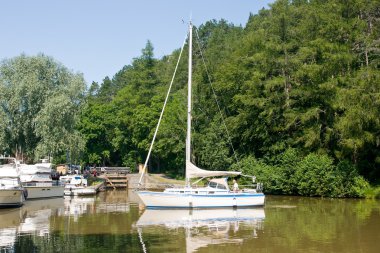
163	179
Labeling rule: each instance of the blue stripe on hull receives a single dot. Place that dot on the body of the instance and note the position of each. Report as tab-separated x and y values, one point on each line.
200	207
242	195
191	201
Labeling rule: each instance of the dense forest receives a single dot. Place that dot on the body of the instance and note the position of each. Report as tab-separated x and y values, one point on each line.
299	92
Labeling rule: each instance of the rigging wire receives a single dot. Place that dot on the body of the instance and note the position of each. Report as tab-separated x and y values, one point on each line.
215	97
162	112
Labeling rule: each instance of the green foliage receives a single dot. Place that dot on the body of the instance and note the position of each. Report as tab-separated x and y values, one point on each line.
40	103
291	173
372	192
298	86
315	176
267	174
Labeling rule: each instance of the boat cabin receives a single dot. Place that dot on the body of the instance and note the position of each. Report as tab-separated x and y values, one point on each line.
214	186
218	183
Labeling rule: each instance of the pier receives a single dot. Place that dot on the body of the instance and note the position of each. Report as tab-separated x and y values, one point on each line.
115	177
115	181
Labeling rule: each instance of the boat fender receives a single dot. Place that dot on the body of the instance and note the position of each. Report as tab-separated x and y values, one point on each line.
25	192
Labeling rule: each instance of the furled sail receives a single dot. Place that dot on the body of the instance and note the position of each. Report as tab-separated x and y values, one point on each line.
193	171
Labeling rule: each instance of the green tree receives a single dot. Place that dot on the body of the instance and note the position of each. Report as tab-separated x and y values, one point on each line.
40	101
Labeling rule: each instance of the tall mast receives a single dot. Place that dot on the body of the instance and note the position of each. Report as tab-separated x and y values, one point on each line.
188	135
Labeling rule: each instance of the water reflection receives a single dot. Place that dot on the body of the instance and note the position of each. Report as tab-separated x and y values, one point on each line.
115	221
203	227
79	206
32	218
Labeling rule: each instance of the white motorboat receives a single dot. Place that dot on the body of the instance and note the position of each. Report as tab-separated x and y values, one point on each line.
11	191
217	194
36	179
76	185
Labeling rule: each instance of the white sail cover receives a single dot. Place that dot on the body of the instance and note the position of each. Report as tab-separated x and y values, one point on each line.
35	178
193	171
8	170
31	169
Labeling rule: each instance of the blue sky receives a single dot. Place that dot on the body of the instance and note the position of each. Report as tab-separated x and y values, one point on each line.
97	38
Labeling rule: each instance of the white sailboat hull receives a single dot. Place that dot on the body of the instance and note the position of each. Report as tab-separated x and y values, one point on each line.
36	192
183	200
11	197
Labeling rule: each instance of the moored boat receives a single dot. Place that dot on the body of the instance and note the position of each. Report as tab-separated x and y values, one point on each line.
76	185
11	191
36	179
217	193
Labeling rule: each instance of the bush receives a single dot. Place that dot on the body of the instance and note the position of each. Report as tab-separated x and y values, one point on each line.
314	175
348	181
266	174
287	167
372	192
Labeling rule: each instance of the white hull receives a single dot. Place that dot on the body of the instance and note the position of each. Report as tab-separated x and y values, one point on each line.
11	197
36	192
80	191
184	200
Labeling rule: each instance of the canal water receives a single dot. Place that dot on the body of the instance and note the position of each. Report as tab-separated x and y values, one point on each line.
115	221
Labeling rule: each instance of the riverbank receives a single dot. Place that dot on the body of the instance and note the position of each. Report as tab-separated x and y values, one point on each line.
373	192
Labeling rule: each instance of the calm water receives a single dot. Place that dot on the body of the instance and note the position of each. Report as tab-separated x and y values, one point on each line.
116	222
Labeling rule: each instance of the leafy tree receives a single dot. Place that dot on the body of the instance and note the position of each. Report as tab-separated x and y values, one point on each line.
40	100
297	87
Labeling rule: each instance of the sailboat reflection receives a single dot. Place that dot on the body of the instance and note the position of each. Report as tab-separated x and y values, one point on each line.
203	227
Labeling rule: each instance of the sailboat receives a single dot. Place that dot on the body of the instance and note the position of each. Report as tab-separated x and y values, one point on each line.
216	194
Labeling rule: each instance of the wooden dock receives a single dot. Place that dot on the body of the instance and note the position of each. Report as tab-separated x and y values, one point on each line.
131	181
115	181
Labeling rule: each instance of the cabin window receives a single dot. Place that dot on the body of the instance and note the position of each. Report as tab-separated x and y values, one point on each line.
220	186
181	192
213	184
211	192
